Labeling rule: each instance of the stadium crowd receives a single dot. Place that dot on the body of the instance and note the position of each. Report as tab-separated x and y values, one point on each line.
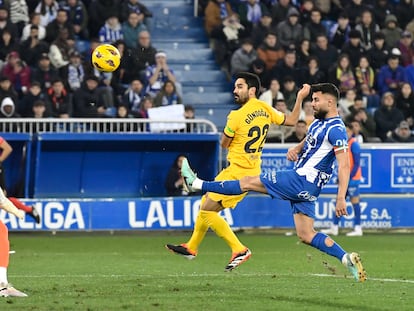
365	47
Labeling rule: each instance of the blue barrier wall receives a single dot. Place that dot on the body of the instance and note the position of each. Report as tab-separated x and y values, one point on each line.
106	165
255	211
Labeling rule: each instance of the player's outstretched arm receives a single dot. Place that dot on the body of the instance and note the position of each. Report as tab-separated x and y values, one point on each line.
343	179
293	118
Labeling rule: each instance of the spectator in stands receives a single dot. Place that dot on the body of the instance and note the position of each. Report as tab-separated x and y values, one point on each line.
270	51
366	124
260	30
404	101
307	113
378	53
6	89
325	52
146	103
353	48
339	31
25	105
406	47
111	31
33	48
7	44
228	39
354	10
174	182
98	13
305	11
133	96
39	110
342	74
358	103
122	112
34	21
60	50
8	108
387	117
299	134
189	114
215	13
139	59
280	10
250	12
273	93
48	10
284	131
54	28
6	24
18	73
259	68
19	14
158	74
346	101
88	102
314	28
391	31
311	74
290	31
289	91
77	17
243	57
131	29
391	76
59	100
402	134
144	15
303	53
382	9
75	72
409	73
365	78
286	67
367	28
167	95
404	11
44	73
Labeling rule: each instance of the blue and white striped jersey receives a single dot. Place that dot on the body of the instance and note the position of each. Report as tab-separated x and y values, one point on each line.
324	138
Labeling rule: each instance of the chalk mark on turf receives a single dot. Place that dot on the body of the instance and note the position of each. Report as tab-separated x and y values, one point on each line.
214	275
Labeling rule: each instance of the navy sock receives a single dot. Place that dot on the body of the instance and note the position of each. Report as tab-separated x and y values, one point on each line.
223	187
334	250
357	211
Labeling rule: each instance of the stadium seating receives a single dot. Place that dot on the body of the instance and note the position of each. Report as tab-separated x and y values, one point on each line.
182	37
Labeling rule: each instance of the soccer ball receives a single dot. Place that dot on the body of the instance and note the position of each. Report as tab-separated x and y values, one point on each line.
106	58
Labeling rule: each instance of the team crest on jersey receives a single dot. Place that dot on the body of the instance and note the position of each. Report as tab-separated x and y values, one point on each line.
311	140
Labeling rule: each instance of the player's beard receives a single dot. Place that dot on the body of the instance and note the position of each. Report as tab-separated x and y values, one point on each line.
320	114
241	99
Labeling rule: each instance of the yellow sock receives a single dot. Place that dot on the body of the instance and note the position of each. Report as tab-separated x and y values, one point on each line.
222	229
200	229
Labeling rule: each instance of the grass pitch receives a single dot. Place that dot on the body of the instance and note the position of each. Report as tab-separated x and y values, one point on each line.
135	272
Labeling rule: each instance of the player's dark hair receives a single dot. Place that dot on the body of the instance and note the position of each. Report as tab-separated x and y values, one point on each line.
326	88
251	79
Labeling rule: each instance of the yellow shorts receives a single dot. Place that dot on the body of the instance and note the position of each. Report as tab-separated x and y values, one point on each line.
230	173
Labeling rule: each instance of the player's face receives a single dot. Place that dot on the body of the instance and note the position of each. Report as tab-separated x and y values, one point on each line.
320	105
241	91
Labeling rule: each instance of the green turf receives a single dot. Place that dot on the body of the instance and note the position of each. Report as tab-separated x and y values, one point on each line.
135	272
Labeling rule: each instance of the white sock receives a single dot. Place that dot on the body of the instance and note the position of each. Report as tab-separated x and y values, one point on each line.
3	275
344	260
197	184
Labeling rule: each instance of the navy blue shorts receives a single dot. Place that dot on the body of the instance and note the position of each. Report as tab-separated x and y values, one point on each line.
288	185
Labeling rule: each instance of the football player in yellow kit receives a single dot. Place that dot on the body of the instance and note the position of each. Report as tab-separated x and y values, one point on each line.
244	136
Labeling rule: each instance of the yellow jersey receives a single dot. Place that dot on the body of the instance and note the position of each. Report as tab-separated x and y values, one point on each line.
248	126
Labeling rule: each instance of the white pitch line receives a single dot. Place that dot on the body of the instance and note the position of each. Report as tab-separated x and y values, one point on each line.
204	275
369	278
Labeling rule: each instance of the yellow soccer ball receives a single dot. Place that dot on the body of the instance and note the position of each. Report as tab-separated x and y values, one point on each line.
106	58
